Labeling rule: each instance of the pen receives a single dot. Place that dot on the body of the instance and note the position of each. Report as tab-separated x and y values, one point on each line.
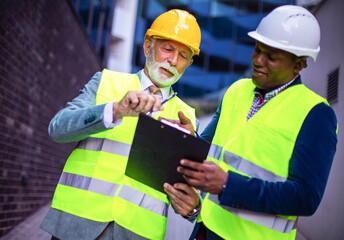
163	102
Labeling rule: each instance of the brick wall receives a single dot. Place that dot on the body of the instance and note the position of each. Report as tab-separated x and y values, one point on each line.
45	58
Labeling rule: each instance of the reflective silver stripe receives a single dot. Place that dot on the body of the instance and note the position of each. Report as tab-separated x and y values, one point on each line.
143	200
215	151
109	189
243	165
270	221
89	184
105	145
249	168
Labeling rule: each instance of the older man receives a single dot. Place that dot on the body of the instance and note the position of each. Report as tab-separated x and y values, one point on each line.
94	199
273	140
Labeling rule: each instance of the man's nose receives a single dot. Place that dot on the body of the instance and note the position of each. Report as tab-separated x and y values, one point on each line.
258	59
173	58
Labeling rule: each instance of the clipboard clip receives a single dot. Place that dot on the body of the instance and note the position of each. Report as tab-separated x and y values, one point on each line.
175	126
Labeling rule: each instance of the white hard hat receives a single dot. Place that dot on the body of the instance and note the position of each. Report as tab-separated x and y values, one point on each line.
290	28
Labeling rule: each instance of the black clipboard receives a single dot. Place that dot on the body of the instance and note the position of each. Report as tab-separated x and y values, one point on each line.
156	151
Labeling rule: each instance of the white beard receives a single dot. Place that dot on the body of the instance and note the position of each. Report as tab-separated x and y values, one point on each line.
153	70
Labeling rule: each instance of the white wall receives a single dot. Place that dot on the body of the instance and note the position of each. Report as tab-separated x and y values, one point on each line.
328	221
123	33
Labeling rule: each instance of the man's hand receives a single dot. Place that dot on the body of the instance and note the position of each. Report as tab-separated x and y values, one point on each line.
184	198
206	176
135	102
183	122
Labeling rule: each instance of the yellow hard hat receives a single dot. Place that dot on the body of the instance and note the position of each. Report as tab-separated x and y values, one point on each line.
177	25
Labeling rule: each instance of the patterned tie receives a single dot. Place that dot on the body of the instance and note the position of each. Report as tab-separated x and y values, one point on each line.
154	90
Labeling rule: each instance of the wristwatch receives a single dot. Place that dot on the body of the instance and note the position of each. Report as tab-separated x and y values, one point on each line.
194	212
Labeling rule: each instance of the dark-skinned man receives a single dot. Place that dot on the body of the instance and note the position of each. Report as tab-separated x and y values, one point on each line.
273	141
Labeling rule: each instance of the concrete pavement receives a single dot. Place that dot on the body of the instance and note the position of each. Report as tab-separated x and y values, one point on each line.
177	227
29	228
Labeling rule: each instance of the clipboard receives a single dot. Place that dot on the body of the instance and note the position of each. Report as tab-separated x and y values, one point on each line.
156	151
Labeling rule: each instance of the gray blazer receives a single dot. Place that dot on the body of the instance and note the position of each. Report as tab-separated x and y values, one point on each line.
80	118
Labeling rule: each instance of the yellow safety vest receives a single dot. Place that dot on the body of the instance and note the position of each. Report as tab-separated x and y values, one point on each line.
93	184
261	148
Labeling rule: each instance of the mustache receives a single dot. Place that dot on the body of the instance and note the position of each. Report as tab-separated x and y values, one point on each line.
168	67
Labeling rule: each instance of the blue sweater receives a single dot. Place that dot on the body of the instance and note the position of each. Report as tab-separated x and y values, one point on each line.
309	169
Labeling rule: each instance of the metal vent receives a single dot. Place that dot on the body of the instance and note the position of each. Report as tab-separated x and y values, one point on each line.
332	86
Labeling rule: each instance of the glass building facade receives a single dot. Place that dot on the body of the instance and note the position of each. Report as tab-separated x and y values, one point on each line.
226	48
96	17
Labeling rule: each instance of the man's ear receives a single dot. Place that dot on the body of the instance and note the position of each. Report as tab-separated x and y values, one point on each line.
146	46
301	63
191	61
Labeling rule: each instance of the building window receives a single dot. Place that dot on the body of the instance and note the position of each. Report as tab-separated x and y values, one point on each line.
332	86
96	16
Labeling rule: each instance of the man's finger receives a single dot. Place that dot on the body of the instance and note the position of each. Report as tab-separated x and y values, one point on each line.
143	99
191	164
157	104
149	103
133	100
195	183
182	187
169	189
183	119
189	173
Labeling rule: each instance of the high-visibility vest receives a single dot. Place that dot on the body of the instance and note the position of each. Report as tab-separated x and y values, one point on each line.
261	148
93	184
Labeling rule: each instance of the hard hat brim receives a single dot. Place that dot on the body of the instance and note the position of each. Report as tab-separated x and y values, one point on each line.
151	32
313	53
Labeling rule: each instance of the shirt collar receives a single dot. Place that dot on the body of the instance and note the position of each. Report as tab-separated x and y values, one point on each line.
271	94
146	82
